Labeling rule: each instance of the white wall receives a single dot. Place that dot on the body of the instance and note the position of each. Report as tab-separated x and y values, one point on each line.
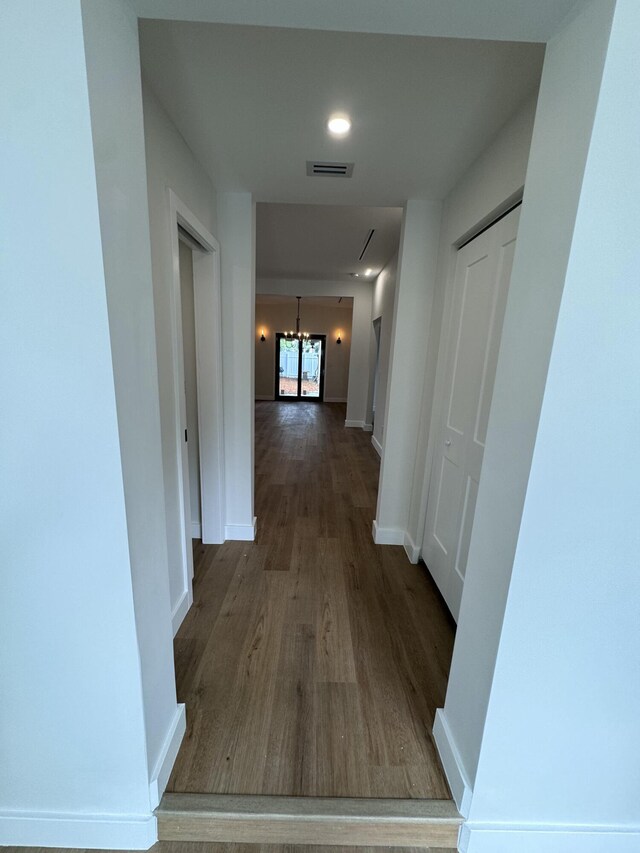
563	123
414	291
496	177
360	360
113	69
384	291
237	231
565	690
72	718
170	165
326	320
190	380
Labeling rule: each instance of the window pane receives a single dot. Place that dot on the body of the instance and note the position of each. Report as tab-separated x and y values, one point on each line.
311	361
288	378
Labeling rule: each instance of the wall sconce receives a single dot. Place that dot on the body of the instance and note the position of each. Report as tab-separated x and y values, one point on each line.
262	337
339	338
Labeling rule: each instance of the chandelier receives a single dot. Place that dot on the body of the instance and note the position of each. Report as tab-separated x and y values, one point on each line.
297	335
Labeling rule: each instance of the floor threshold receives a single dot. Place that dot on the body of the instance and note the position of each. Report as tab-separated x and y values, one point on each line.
345	821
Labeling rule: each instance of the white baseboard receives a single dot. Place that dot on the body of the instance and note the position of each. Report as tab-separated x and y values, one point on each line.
335	400
387	535
452	764
180	609
265	397
99	831
411	549
168	754
359	425
196	530
376	446
241	532
481	838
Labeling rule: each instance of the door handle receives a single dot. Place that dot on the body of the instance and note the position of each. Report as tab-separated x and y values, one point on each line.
447	443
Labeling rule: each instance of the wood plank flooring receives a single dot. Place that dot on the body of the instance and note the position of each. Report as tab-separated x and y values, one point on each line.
207	847
312	660
308	820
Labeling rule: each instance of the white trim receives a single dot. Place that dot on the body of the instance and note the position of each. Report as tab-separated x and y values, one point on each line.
168	755
359	425
411	549
241	532
196	530
484	838
387	535
181	608
104	832
367	427
335	400
265	397
452	763
376	446
208	329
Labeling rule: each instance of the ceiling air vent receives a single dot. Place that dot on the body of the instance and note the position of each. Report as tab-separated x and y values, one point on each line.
334	170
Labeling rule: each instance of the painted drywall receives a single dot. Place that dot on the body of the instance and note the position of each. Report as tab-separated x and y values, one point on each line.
508	20
563	124
317	320
384	291
190	379
113	72
170	165
72	721
497	176
414	291
360	356
565	691
237	231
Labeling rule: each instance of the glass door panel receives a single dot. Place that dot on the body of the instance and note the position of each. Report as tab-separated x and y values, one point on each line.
311	368
289	364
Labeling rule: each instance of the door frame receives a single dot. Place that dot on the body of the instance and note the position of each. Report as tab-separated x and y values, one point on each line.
320	398
208	330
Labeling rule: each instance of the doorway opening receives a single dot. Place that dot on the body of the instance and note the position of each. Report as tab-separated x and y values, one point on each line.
300	367
197	440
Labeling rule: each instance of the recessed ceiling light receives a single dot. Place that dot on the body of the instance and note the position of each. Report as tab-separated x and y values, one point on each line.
339	124
368	272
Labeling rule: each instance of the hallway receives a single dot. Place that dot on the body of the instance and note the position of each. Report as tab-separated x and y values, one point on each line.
312	661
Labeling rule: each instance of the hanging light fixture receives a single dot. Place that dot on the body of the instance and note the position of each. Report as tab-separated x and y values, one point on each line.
301	336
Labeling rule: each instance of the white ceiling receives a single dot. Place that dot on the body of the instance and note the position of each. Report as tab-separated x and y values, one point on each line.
324	241
252	103
508	20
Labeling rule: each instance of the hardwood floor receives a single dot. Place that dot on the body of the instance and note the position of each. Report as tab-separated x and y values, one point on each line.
206	847
312	660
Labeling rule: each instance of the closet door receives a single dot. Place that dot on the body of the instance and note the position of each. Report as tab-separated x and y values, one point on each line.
470	353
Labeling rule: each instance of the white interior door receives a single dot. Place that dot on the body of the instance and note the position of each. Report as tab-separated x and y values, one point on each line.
470	352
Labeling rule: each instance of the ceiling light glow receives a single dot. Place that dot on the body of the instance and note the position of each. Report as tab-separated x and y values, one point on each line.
339	124
368	272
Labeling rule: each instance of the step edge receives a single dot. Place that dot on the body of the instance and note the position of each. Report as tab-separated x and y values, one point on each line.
230	815
188	803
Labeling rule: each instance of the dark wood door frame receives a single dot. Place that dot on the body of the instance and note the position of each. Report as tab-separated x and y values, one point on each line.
320	398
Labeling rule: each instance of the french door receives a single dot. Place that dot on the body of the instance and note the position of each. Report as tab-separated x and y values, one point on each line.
300	367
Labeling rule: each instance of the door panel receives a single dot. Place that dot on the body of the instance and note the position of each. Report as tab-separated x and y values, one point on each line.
469	355
288	364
